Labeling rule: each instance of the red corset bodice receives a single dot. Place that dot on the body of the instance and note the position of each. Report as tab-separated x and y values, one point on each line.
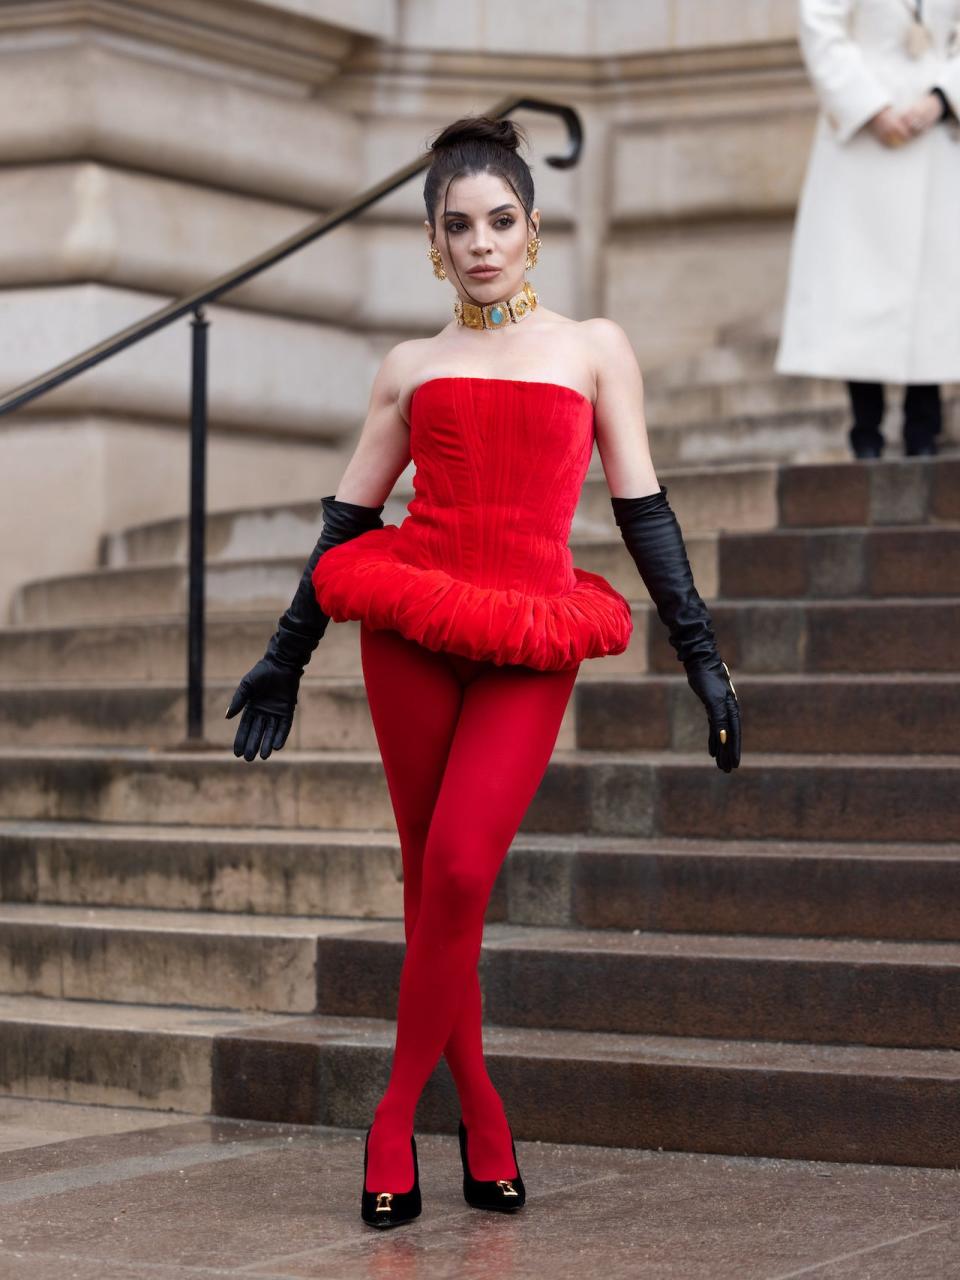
480	566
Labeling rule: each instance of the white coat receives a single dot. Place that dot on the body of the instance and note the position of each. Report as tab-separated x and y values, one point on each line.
873	291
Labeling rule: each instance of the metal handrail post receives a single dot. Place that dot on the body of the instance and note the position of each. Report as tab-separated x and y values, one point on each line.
198	525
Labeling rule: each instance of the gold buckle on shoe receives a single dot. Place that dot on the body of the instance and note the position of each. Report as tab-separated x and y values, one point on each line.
385	1196
507	1187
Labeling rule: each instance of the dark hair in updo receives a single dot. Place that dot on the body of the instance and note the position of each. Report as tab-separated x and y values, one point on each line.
477	144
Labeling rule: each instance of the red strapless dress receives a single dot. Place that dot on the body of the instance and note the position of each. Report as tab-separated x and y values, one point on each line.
480	566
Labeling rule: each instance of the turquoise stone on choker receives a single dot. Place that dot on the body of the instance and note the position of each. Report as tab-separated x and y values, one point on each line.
495	315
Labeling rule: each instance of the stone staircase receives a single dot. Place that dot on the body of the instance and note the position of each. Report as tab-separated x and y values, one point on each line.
727	402
763	963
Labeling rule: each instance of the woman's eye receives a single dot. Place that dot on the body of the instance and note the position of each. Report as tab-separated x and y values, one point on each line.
503	222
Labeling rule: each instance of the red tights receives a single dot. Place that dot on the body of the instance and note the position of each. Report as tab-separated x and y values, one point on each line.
465	745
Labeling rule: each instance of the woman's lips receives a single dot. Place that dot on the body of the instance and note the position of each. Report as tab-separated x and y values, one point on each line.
487	271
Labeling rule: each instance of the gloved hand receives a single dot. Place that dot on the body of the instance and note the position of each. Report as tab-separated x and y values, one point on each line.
714	688
268	692
652	535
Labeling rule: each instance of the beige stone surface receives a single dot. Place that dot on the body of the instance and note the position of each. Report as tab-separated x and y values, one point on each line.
585	27
313	380
65	102
66	482
374	17
674	288
34	1122
229	1197
734	164
86	221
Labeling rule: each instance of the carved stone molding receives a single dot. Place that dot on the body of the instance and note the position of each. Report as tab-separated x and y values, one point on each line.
237	33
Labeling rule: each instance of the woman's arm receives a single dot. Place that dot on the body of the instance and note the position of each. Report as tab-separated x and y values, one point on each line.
619	423
382	452
849	92
652	535
268	692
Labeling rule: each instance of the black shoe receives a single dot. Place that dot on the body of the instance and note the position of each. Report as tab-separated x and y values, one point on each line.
868	450
505	1194
390	1208
928	449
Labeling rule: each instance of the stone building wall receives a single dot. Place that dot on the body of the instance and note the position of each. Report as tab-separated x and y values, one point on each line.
147	147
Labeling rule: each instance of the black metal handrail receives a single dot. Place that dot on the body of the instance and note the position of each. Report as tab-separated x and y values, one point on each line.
195	303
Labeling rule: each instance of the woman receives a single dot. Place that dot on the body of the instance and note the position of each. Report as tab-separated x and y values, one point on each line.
473	619
875	265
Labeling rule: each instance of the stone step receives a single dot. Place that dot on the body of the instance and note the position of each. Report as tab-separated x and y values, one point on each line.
760	394
210	960
85	1051
901	714
820	636
904	491
815	797
749	360
780	563
734	496
843	889
156	590
886	714
331	711
765	636
787	563
758	496
271	871
835	1102
815	1102
814	990
789	435
898	994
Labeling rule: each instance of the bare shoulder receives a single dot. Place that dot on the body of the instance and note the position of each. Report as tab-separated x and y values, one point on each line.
398	373
613	357
396	365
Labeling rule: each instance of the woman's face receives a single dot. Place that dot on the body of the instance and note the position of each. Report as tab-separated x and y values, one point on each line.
483	226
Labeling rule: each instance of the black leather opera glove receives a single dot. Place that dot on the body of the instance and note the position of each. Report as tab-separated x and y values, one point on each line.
268	692
652	536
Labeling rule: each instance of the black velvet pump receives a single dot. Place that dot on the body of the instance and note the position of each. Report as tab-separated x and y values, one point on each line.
390	1208
503	1194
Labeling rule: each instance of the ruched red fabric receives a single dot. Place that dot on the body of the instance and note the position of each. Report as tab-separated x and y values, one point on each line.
480	566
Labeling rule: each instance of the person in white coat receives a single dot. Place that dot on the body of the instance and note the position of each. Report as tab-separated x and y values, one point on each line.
874	277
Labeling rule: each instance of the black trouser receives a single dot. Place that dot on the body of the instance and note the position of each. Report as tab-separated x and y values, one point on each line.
922	413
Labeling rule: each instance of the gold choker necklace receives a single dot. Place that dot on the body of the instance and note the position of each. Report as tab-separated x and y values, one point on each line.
494	315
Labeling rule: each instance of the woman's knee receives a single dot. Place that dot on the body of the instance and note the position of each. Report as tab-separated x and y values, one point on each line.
457	885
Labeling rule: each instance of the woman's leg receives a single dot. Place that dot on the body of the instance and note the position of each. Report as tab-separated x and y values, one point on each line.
502	743
415	697
922	418
867	403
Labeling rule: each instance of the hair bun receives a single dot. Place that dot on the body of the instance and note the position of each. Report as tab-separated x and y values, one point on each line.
501	132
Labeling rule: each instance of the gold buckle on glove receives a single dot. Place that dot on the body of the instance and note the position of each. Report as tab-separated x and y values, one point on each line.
723	732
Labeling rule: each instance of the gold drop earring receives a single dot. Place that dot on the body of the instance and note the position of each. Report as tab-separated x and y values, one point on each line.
533	248
433	253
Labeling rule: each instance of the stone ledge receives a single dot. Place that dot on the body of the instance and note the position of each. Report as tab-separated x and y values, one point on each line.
248	35
309	379
88	101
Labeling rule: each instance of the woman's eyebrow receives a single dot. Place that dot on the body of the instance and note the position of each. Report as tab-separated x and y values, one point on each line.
455	213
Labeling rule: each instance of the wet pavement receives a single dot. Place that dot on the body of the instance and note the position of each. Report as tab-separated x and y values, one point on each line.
102	1193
